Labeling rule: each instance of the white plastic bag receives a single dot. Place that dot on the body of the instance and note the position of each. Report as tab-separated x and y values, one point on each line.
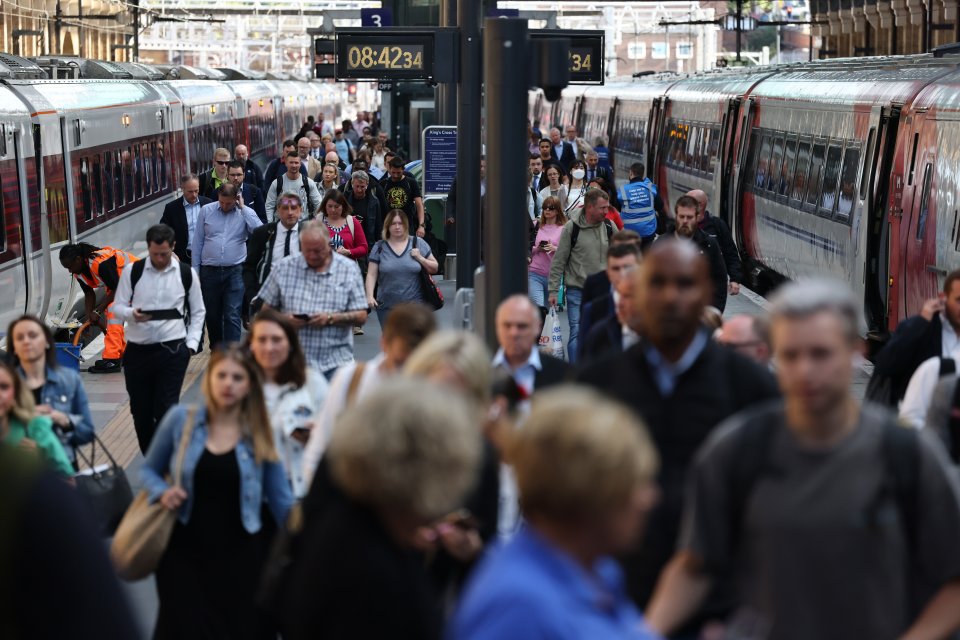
556	333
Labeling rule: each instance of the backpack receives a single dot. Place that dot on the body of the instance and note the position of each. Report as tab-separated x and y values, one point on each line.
186	279
900	447
306	189
575	233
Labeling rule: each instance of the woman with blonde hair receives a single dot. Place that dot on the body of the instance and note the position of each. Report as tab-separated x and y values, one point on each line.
19	424
209	574
586	472
400	458
329	177
456	359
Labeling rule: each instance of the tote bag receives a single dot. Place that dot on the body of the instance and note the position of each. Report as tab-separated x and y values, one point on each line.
103	488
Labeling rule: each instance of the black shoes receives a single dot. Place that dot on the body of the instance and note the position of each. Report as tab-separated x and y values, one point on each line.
106	366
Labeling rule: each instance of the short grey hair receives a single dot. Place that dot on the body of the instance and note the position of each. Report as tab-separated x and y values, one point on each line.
360	176
290	194
807	297
187	177
409	446
314	225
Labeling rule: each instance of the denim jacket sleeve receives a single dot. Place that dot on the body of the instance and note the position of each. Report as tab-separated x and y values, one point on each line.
159	458
276	489
79	408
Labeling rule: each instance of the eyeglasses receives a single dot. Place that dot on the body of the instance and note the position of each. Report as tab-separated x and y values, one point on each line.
222	161
548	207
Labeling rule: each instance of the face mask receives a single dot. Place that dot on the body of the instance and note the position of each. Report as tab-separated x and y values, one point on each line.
578	174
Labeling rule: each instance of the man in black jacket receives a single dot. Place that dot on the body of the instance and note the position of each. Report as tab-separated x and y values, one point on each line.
212	179
720	232
251	172
686	227
271	243
518	331
919	338
615	333
681	383
250	196
182	213
366	206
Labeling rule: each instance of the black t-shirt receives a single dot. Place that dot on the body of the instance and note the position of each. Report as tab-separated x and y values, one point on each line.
37	395
400	195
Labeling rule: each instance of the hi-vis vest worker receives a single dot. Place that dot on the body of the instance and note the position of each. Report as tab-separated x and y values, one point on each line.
637	198
96	267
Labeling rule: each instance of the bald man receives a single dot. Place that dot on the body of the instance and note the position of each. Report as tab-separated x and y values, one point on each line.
750	335
681	383
717	229
518	323
251	172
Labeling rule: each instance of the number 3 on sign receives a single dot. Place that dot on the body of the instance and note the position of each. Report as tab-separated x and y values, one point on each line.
377	20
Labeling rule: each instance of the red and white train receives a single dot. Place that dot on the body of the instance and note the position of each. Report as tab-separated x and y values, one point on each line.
96	160
849	168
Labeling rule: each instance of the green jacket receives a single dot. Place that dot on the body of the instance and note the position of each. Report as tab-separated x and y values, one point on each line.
40	430
589	256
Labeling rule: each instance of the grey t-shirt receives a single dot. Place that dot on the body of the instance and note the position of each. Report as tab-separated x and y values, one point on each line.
398	278
821	554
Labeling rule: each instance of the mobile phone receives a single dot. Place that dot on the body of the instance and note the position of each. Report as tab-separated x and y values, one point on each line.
544	243
302	316
162	314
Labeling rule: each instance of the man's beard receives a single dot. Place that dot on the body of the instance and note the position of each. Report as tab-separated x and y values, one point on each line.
685	231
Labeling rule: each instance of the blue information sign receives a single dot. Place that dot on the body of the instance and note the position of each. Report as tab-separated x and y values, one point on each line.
376	17
439	146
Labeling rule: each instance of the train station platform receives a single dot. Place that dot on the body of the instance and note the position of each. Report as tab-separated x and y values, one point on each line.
110	407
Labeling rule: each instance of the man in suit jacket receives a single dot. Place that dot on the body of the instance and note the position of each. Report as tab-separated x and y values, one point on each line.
250	196
623	255
271	243
615	333
518	331
313	165
563	152
594	170
181	214
252	173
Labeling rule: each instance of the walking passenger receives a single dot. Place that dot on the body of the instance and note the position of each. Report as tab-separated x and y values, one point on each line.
638	204
181	215
294	393
210	571
346	232
58	392
293	181
271	243
159	350
96	267
834	520
686	227
546	240
213	178
252	173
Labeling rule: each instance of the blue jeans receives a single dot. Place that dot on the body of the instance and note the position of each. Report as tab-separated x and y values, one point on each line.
537	287
574	296
222	289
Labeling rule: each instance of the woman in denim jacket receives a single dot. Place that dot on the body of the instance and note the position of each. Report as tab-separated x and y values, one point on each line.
210	571
58	392
294	392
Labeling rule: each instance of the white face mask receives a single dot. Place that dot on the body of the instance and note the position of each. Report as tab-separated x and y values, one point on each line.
578	174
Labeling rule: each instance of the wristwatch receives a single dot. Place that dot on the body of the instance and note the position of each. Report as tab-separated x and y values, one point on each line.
421	226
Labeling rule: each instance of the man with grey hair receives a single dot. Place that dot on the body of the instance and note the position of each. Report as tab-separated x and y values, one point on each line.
272	242
366	206
322	294
181	215
561	151
750	335
518	323
836	520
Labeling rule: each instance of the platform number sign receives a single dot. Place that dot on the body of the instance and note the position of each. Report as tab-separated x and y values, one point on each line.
376	18
586	53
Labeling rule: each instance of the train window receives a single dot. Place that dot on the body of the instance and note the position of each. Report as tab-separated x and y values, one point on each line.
107	181
86	197
77	129
145	168
848	183
154	168
776	162
128	175
924	203
96	180
137	170
693	143
162	162
789	164
703	152
763	162
3	140
831	173
713	151
816	173
864	178
3	208
913	157
118	179
800	174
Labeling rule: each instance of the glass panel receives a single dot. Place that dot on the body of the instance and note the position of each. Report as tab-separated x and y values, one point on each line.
127	167
97	182
789	162
776	162
763	163
848	183
816	173
107	181
86	198
830	176
924	204
800	174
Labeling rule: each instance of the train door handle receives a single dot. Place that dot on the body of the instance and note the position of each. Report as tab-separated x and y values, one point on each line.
937	269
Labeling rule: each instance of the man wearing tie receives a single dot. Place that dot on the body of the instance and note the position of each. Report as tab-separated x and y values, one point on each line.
250	196
181	215
272	242
536	169
594	170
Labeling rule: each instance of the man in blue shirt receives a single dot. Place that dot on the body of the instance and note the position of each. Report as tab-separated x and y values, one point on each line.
556	577
219	249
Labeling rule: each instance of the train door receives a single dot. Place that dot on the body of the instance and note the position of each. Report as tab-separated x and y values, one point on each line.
653	131
739	149
55	226
725	162
881	167
15	279
917	231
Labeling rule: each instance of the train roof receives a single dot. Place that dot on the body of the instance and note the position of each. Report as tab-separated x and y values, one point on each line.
202	92
85	95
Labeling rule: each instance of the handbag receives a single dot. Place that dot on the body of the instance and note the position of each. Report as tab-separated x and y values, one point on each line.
104	489
144	531
430	290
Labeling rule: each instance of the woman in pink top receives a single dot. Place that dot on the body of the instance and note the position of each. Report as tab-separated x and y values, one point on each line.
546	239
346	233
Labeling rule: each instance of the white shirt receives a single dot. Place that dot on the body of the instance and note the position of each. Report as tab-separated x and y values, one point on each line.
524	375
192	211
559	149
159	290
916	400
630	337
280	242
334	405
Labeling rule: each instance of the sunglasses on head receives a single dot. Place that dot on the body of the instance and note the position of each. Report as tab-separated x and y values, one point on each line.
290	203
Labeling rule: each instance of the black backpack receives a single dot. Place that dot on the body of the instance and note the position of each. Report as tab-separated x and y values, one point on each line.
186	279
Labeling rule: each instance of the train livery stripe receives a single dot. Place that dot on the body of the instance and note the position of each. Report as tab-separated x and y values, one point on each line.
802	234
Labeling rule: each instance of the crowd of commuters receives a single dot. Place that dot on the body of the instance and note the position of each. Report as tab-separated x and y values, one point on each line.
677	474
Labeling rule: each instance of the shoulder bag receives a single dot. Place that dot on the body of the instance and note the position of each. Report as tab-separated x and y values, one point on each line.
104	489
145	529
428	287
